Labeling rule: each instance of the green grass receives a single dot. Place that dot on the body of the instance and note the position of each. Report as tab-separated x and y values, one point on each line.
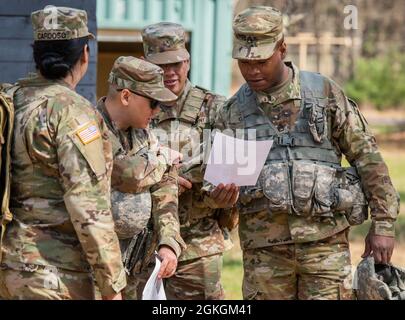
385	129
232	274
396	165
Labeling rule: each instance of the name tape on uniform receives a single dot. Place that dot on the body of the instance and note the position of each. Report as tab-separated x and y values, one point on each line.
54	35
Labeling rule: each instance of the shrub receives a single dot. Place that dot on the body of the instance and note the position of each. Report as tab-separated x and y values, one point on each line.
379	81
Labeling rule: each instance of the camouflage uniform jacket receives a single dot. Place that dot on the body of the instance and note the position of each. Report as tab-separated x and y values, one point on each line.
180	127
60	198
139	167
350	135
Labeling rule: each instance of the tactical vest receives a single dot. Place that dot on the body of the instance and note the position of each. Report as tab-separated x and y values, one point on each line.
187	129
302	174
197	101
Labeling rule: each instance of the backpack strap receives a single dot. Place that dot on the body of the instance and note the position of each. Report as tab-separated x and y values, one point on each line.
196	99
6	126
312	85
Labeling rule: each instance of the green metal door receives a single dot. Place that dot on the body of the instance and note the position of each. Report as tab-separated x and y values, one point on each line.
208	21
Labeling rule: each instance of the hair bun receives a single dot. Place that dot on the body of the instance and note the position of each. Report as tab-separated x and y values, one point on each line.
56	59
53	64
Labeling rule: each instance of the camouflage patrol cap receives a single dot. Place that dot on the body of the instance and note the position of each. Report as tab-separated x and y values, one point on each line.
256	33
165	43
142	77
59	23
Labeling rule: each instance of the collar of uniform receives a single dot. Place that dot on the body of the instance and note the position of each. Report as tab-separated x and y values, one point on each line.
103	110
101	107
182	96
174	111
36	79
125	136
291	92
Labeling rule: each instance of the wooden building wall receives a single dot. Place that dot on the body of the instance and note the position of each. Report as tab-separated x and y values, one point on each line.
16	38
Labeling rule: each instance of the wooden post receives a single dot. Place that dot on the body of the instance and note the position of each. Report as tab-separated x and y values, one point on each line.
306	39
303	49
326	63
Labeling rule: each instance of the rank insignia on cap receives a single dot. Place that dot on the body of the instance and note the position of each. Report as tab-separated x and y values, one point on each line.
88	133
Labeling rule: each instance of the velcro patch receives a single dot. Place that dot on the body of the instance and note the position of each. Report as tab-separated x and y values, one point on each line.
88	133
53	35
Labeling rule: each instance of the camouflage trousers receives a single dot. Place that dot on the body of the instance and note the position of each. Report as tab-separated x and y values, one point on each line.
318	270
41	285
196	279
135	284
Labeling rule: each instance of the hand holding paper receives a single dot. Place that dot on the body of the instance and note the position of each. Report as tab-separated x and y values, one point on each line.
225	196
154	289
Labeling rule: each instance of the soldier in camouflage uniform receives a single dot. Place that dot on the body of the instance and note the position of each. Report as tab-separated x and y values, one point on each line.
181	128
144	179
62	233
294	223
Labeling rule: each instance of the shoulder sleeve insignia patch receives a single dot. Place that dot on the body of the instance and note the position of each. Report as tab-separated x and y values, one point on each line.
88	132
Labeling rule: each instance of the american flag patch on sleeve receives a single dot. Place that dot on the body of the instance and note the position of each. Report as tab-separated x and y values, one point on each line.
88	133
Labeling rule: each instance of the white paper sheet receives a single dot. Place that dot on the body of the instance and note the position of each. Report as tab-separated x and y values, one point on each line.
236	161
154	289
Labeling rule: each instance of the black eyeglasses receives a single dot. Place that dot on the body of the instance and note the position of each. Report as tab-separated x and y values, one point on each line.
153	103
